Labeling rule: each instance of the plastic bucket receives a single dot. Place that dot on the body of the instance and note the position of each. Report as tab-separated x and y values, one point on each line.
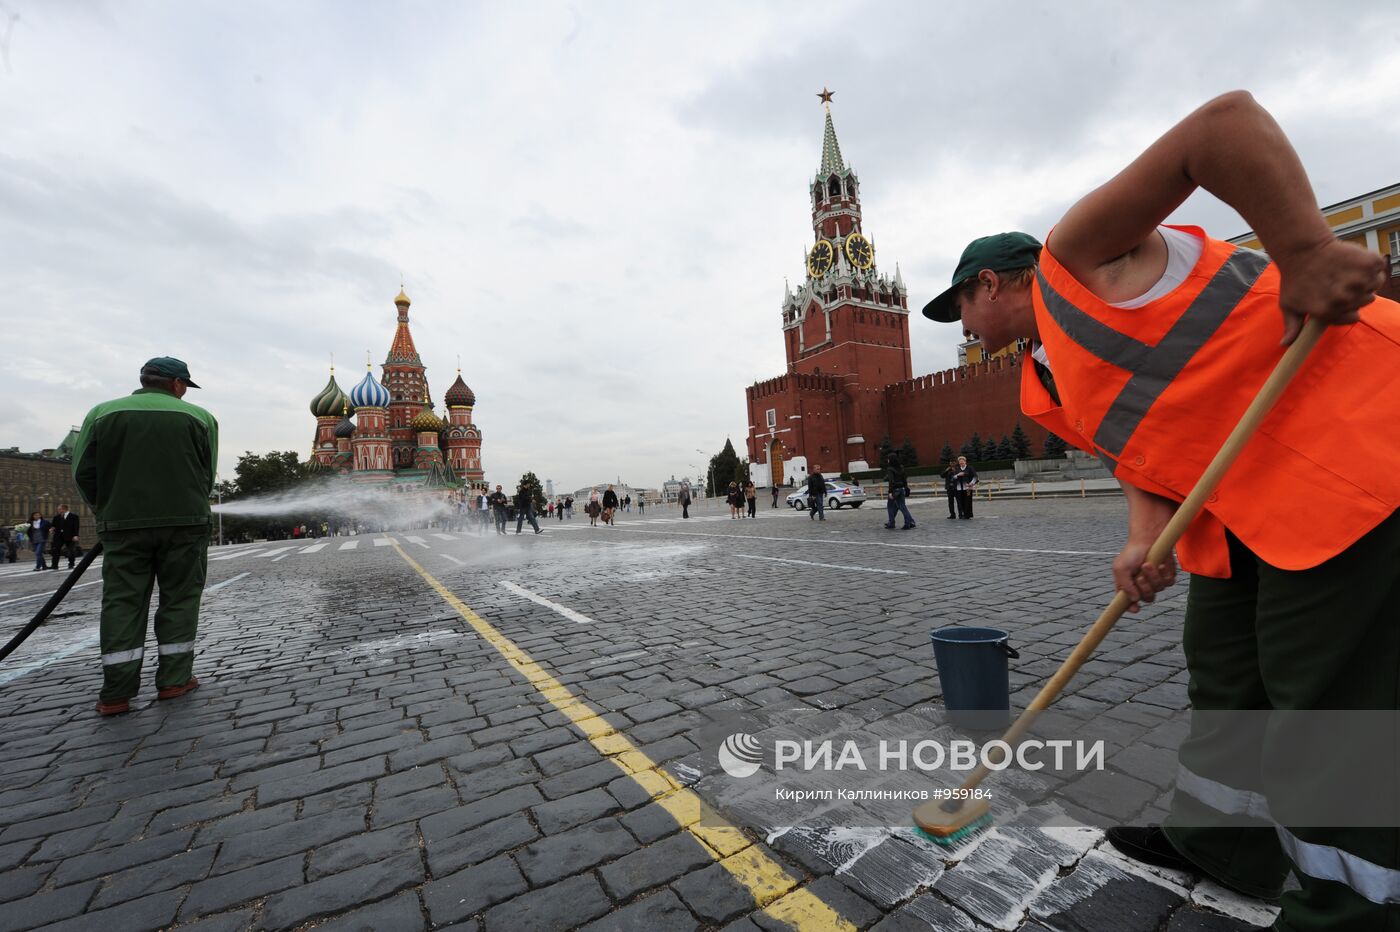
973	668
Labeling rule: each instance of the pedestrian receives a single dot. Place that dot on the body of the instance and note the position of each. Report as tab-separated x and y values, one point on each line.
775	496
734	499
145	464
751	498
549	510
950	488
684	498
1146	343
816	494
498	502
965	484
7	544
569	507
559	510
525	509
609	505
896	493
64	536
38	530
641	504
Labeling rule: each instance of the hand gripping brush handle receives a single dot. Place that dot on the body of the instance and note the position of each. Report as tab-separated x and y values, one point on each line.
52	603
945	821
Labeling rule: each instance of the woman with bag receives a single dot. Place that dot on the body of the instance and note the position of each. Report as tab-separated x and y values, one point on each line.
966	479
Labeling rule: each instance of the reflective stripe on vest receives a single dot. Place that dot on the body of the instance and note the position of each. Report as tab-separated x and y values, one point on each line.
184	647
1368	879
1221	797
1153	367
123	656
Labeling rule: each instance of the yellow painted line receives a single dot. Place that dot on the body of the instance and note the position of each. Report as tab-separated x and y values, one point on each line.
770	884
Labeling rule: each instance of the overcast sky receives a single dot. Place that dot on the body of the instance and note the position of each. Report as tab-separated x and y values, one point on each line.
594	204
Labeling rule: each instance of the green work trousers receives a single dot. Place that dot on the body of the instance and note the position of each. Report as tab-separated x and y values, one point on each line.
132	562
1273	641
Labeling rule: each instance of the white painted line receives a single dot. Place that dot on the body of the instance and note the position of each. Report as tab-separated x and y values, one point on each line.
282	557
452	558
273	553
312	549
89	640
877	543
419	541
349	545
235	556
829	566
383	541
45	595
444	537
227	582
553	606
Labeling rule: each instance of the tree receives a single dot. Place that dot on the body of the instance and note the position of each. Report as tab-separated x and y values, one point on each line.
973	448
946	456
886	448
724	468
1055	446
270	472
1004	450
908	455
741	473
1020	443
532	483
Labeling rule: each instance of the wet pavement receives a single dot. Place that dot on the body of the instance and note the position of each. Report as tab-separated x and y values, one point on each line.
435	729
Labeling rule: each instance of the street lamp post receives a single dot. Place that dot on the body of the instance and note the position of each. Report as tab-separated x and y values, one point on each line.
711	487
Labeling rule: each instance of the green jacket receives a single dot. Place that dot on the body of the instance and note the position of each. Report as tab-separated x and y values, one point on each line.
147	460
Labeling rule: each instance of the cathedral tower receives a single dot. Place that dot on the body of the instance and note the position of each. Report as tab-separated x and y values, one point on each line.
406	379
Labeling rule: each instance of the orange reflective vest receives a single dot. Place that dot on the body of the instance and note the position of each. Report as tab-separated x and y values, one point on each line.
1154	391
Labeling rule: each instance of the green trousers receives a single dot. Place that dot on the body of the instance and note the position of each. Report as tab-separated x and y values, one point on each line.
132	562
1275	641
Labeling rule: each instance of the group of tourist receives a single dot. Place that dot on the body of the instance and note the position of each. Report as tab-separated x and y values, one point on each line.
743	500
60	534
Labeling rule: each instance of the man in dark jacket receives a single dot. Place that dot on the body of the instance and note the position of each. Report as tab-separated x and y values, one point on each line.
65	536
896	491
145	464
816	494
525	509
498	502
950	488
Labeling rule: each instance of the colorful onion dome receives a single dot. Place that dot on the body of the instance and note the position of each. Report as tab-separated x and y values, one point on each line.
426	421
459	396
369	393
330	400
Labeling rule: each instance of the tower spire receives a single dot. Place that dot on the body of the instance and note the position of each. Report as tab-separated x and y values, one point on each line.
832	163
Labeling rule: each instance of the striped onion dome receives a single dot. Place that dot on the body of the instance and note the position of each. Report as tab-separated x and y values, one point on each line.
330	399
459	395
346	427
369	393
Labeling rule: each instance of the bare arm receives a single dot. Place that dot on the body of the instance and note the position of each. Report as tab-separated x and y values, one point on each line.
1147	515
1232	147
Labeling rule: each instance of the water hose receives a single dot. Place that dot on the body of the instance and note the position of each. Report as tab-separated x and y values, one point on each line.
52	603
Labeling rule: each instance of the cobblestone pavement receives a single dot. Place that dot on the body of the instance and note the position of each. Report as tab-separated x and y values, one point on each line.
510	747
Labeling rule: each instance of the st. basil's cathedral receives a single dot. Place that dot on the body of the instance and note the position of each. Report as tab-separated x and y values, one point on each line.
396	438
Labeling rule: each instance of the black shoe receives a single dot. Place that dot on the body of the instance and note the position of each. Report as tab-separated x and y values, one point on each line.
908	527
1148	844
952	517
890	526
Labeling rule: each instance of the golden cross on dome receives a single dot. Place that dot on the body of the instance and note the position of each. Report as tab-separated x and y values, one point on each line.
826	96
368	364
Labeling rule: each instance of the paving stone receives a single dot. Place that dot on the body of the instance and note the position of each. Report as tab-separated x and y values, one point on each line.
1099	895
22	882
713	894
560	906
237	921
561	814
892	870
157	876
47	907
850	907
664	910
411	806
650	823
1198	920
469	891
355	796
320	781
358	850
219	893
242	823
341	891
450	853
446	824
409	781
1157	766
559	856
13	854
281	840
68	818
652	866
88	866
1117	796
149	912
397	914
927	913
576	781
203	811
478	784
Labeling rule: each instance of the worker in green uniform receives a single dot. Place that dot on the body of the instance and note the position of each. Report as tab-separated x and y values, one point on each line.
145	464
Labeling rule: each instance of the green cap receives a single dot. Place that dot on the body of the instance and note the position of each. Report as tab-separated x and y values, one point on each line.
170	368
1000	252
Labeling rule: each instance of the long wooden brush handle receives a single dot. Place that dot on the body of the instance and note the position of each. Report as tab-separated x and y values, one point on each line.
1268	394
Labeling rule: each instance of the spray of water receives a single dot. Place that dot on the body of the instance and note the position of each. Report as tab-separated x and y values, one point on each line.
376	507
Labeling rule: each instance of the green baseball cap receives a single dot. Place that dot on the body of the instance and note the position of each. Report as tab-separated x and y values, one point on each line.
1000	252
170	368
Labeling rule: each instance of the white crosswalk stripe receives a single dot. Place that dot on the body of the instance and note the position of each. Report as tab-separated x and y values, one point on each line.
442	537
273	553
349	545
313	548
383	541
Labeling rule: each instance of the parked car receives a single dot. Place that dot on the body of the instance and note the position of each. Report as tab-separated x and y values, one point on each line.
837	494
